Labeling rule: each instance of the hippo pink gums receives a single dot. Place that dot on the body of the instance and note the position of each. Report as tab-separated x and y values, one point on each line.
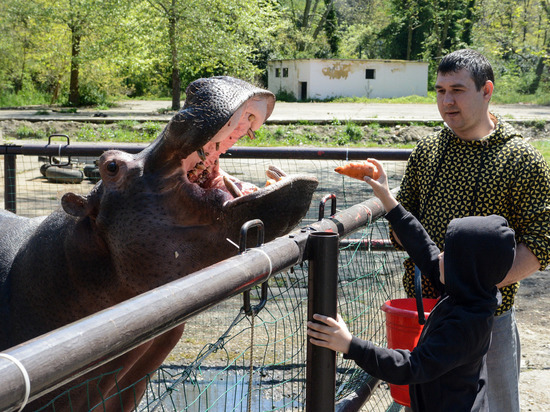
154	217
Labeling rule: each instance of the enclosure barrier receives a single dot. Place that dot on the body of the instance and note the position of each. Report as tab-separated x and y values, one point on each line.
10	152
59	356
362	302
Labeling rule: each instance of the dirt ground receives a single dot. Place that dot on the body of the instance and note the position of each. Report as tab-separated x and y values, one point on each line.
532	307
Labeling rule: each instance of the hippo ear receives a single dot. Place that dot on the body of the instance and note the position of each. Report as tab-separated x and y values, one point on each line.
75	205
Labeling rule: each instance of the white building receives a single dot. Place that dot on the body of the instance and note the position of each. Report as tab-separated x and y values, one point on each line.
327	78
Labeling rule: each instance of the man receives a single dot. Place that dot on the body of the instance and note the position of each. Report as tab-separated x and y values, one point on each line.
478	165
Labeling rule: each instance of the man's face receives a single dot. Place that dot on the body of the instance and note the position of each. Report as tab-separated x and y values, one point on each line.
462	107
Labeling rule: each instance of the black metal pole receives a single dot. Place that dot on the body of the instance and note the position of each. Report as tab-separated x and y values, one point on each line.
9	183
322	298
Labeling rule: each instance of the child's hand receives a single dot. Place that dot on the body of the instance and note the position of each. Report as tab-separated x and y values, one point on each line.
380	187
334	334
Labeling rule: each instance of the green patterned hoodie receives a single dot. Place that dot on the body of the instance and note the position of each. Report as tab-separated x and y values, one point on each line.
447	177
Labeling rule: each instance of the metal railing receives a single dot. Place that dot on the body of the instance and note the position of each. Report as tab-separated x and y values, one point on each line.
10	152
64	354
60	356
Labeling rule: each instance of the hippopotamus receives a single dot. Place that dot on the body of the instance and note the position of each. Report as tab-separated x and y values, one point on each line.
154	217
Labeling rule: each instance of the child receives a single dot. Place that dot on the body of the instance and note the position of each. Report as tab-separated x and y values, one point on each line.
446	371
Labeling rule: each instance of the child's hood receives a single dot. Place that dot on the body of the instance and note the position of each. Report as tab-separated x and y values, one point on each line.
479	252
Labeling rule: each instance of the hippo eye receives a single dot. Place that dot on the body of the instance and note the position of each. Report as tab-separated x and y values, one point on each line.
112	167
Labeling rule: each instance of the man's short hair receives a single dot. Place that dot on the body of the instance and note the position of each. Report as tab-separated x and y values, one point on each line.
476	63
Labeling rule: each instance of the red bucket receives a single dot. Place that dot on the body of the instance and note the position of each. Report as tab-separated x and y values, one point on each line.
403	331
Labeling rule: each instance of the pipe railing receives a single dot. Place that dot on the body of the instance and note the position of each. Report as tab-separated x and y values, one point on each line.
94	150
62	355
326	153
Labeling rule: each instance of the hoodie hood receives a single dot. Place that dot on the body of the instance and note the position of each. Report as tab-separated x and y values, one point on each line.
479	252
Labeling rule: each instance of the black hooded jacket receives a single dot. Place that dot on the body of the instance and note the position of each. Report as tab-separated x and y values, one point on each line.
446	371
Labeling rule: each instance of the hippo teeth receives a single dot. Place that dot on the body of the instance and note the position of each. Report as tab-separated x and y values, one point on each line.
275	173
231	187
201	154
251	134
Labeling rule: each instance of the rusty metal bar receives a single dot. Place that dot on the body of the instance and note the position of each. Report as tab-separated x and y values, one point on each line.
354	401
322	298
237	152
60	356
318	153
367	244
10	197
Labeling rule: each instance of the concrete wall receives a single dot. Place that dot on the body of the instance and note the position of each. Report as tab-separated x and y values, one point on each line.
334	78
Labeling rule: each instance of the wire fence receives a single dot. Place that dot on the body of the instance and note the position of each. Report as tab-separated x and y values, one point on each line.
226	360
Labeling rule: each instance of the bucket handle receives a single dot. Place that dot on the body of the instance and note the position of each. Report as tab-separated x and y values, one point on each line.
418	294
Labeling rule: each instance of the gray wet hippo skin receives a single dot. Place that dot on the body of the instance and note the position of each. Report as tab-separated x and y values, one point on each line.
154	217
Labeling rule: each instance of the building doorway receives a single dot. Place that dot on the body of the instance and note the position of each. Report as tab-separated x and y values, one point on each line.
303	90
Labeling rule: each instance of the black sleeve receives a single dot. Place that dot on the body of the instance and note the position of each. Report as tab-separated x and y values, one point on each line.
390	365
450	345
416	242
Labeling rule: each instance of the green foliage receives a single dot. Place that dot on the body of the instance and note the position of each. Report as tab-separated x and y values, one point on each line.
353	131
285	96
430	98
543	146
24	132
125	131
130	49
26	97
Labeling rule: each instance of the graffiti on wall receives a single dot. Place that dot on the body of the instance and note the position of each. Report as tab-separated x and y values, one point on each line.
337	71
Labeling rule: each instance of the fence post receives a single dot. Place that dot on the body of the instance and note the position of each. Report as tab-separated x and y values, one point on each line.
9	182
322	298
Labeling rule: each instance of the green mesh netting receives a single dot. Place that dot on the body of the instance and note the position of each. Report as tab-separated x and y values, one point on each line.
228	361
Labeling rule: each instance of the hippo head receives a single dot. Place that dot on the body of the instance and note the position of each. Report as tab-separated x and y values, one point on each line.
171	210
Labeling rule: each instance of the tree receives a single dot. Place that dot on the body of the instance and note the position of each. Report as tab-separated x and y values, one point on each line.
515	34
85	20
309	21
211	37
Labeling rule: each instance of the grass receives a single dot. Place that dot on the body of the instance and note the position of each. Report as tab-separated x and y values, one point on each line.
543	146
500	96
121	132
349	134
430	98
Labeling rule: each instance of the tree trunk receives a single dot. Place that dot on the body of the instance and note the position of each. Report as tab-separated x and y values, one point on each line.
541	62
410	30
468	26
74	93
305	17
176	81
323	20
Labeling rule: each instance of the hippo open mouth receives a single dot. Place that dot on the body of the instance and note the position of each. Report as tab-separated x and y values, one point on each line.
217	112
203	168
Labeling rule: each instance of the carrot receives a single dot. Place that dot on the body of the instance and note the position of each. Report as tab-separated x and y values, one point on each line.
359	170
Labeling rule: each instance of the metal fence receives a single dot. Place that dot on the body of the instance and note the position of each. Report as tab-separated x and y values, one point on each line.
224	369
